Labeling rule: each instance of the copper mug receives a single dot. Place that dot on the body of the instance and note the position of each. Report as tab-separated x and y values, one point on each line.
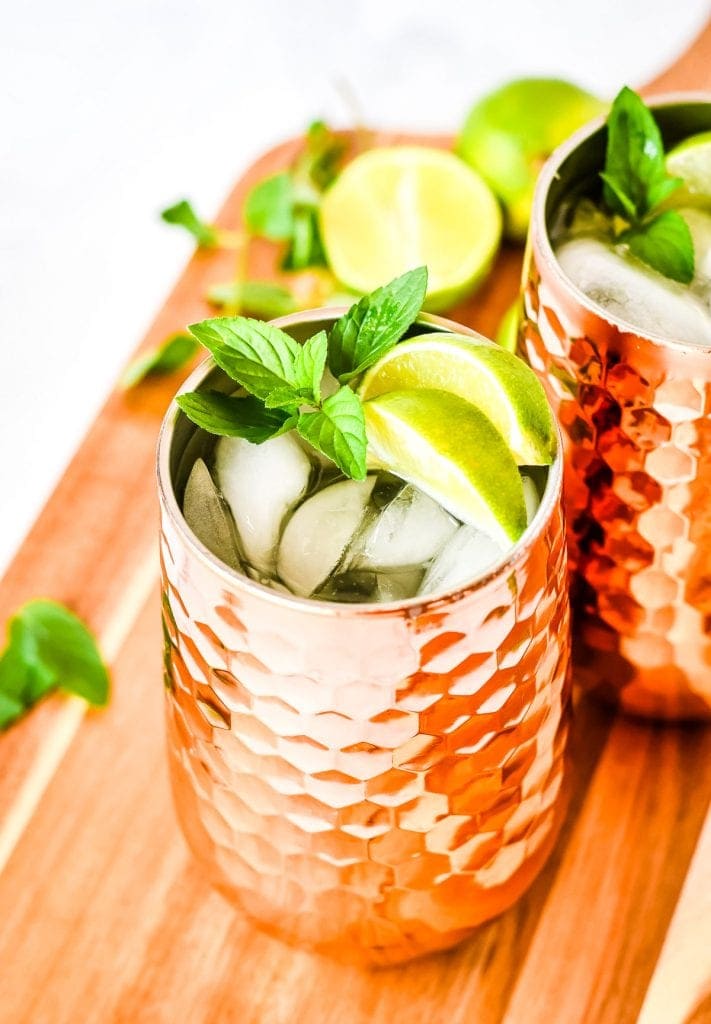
370	781
635	412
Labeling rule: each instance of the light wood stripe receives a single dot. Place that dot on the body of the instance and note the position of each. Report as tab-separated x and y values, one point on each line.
71	710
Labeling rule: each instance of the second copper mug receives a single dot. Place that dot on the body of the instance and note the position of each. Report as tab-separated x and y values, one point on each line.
635	411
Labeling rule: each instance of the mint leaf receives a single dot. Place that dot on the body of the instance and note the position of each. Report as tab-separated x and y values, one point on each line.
184	216
269	208
284	398
306	249
48	647
258	356
230	416
375	324
173	354
634	179
261	299
310	365
324	150
338	431
665	244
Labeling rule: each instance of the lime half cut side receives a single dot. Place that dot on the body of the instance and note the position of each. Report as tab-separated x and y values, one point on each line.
451	451
497	382
400	207
691	161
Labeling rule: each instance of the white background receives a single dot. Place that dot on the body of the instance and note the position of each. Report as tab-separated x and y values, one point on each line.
111	109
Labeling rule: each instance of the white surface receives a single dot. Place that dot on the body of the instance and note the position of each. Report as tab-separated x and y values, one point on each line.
110	109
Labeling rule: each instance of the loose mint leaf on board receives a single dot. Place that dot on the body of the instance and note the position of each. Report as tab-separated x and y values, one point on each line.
374	324
306	249
258	356
184	216
338	431
269	208
172	355
665	244
635	177
231	416
48	647
260	299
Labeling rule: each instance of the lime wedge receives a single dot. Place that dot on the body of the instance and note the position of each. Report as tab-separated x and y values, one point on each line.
451	451
392	209
497	382
691	160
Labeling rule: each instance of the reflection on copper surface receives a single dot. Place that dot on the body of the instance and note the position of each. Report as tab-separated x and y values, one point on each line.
637	435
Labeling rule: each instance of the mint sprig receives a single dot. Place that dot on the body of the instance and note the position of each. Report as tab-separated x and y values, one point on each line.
284	207
182	213
48	648
174	353
284	379
374	324
636	183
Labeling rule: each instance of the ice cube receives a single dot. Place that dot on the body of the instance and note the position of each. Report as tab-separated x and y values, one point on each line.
409	531
208	516
367	585
261	482
467	554
629	291
700	227
318	533
531	497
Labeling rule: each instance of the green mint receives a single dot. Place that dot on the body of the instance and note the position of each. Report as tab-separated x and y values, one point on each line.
284	379
338	431
48	648
636	183
374	324
172	355
182	214
284	206
310	365
260	299
664	243
230	416
258	356
269	208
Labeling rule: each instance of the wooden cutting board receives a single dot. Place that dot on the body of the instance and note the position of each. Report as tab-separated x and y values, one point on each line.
104	917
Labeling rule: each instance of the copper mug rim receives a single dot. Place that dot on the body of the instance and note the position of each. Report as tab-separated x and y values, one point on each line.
540	238
413	605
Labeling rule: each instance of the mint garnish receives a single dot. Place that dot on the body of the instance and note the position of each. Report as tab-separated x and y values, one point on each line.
284	378
374	324
636	183
48	648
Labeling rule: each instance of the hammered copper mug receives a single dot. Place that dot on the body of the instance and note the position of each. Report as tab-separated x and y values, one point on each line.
370	781
635	411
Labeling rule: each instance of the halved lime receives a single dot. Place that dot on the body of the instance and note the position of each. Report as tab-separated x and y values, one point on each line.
396	208
497	382
691	160
451	451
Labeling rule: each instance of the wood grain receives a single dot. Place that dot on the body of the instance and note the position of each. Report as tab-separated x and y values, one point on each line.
104	917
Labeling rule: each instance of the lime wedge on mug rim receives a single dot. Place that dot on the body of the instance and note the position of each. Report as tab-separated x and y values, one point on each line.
451	451
497	382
